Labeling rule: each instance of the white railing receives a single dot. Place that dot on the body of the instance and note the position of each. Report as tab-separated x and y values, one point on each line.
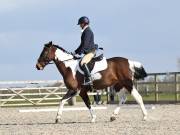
30	82
32	93
20	93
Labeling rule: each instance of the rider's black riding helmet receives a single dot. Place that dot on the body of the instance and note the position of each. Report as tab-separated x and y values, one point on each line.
83	19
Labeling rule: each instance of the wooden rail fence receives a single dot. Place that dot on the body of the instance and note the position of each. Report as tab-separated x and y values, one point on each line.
164	86
156	88
40	93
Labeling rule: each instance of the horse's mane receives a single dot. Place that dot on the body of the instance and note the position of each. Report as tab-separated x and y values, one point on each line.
61	48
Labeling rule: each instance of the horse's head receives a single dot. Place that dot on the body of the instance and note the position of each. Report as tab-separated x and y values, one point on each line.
50	53
47	55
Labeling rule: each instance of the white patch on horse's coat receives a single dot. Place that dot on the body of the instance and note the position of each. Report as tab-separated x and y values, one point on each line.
93	116
121	95
72	64
62	56
139	100
116	111
133	64
61	106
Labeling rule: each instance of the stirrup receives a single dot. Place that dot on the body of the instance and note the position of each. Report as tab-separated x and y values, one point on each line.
88	82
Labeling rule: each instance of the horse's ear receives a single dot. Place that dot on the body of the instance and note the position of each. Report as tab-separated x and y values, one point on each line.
50	42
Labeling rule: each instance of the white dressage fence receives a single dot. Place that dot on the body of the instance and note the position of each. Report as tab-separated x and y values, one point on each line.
33	93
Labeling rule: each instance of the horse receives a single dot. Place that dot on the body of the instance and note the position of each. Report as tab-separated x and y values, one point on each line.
120	73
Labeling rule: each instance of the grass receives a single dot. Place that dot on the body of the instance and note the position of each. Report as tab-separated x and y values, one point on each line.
151	97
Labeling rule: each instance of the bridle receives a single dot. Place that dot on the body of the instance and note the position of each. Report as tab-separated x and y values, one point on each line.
47	60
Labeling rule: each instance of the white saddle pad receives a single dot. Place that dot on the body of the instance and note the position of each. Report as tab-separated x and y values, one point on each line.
98	66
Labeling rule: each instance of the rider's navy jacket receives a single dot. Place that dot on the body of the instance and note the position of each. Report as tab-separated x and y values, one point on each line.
87	42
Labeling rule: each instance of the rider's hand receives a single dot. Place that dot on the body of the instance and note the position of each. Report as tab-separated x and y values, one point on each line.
77	55
73	53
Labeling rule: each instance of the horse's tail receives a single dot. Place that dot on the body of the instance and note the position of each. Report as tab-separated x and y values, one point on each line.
137	69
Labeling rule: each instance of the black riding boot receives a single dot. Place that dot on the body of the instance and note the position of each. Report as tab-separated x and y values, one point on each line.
87	74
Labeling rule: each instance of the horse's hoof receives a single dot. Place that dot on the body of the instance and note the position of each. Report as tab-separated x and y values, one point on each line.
116	111
93	119
145	118
112	118
56	121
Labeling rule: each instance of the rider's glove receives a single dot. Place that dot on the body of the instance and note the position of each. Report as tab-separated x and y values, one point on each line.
73	53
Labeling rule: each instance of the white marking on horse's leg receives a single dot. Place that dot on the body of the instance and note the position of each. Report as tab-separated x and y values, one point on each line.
60	109
93	116
139	100
120	94
116	111
69	94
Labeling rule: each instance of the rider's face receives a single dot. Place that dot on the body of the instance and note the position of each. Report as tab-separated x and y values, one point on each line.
82	25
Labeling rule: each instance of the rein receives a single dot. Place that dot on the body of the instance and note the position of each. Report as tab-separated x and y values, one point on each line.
74	57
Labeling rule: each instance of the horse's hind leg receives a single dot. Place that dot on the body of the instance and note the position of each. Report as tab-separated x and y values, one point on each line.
139	100
86	100
120	93
131	88
66	97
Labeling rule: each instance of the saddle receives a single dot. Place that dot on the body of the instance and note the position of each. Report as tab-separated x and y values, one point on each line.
92	62
98	63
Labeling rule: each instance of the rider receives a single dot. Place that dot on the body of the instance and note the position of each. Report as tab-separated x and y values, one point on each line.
87	47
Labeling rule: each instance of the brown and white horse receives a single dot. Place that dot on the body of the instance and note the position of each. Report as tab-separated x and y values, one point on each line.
120	73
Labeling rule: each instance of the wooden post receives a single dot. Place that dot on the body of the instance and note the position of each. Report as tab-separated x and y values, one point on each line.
156	89
107	94
176	88
72	101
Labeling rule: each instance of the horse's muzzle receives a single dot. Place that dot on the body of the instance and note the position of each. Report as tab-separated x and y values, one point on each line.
39	66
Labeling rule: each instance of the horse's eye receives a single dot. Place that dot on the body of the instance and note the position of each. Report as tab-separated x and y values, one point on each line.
45	53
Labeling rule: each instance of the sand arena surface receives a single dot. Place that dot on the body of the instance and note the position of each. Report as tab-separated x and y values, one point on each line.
163	120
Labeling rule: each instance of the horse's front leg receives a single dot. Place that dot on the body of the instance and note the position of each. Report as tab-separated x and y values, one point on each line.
67	96
86	100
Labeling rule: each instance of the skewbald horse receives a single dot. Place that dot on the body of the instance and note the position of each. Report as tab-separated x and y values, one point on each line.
120	73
